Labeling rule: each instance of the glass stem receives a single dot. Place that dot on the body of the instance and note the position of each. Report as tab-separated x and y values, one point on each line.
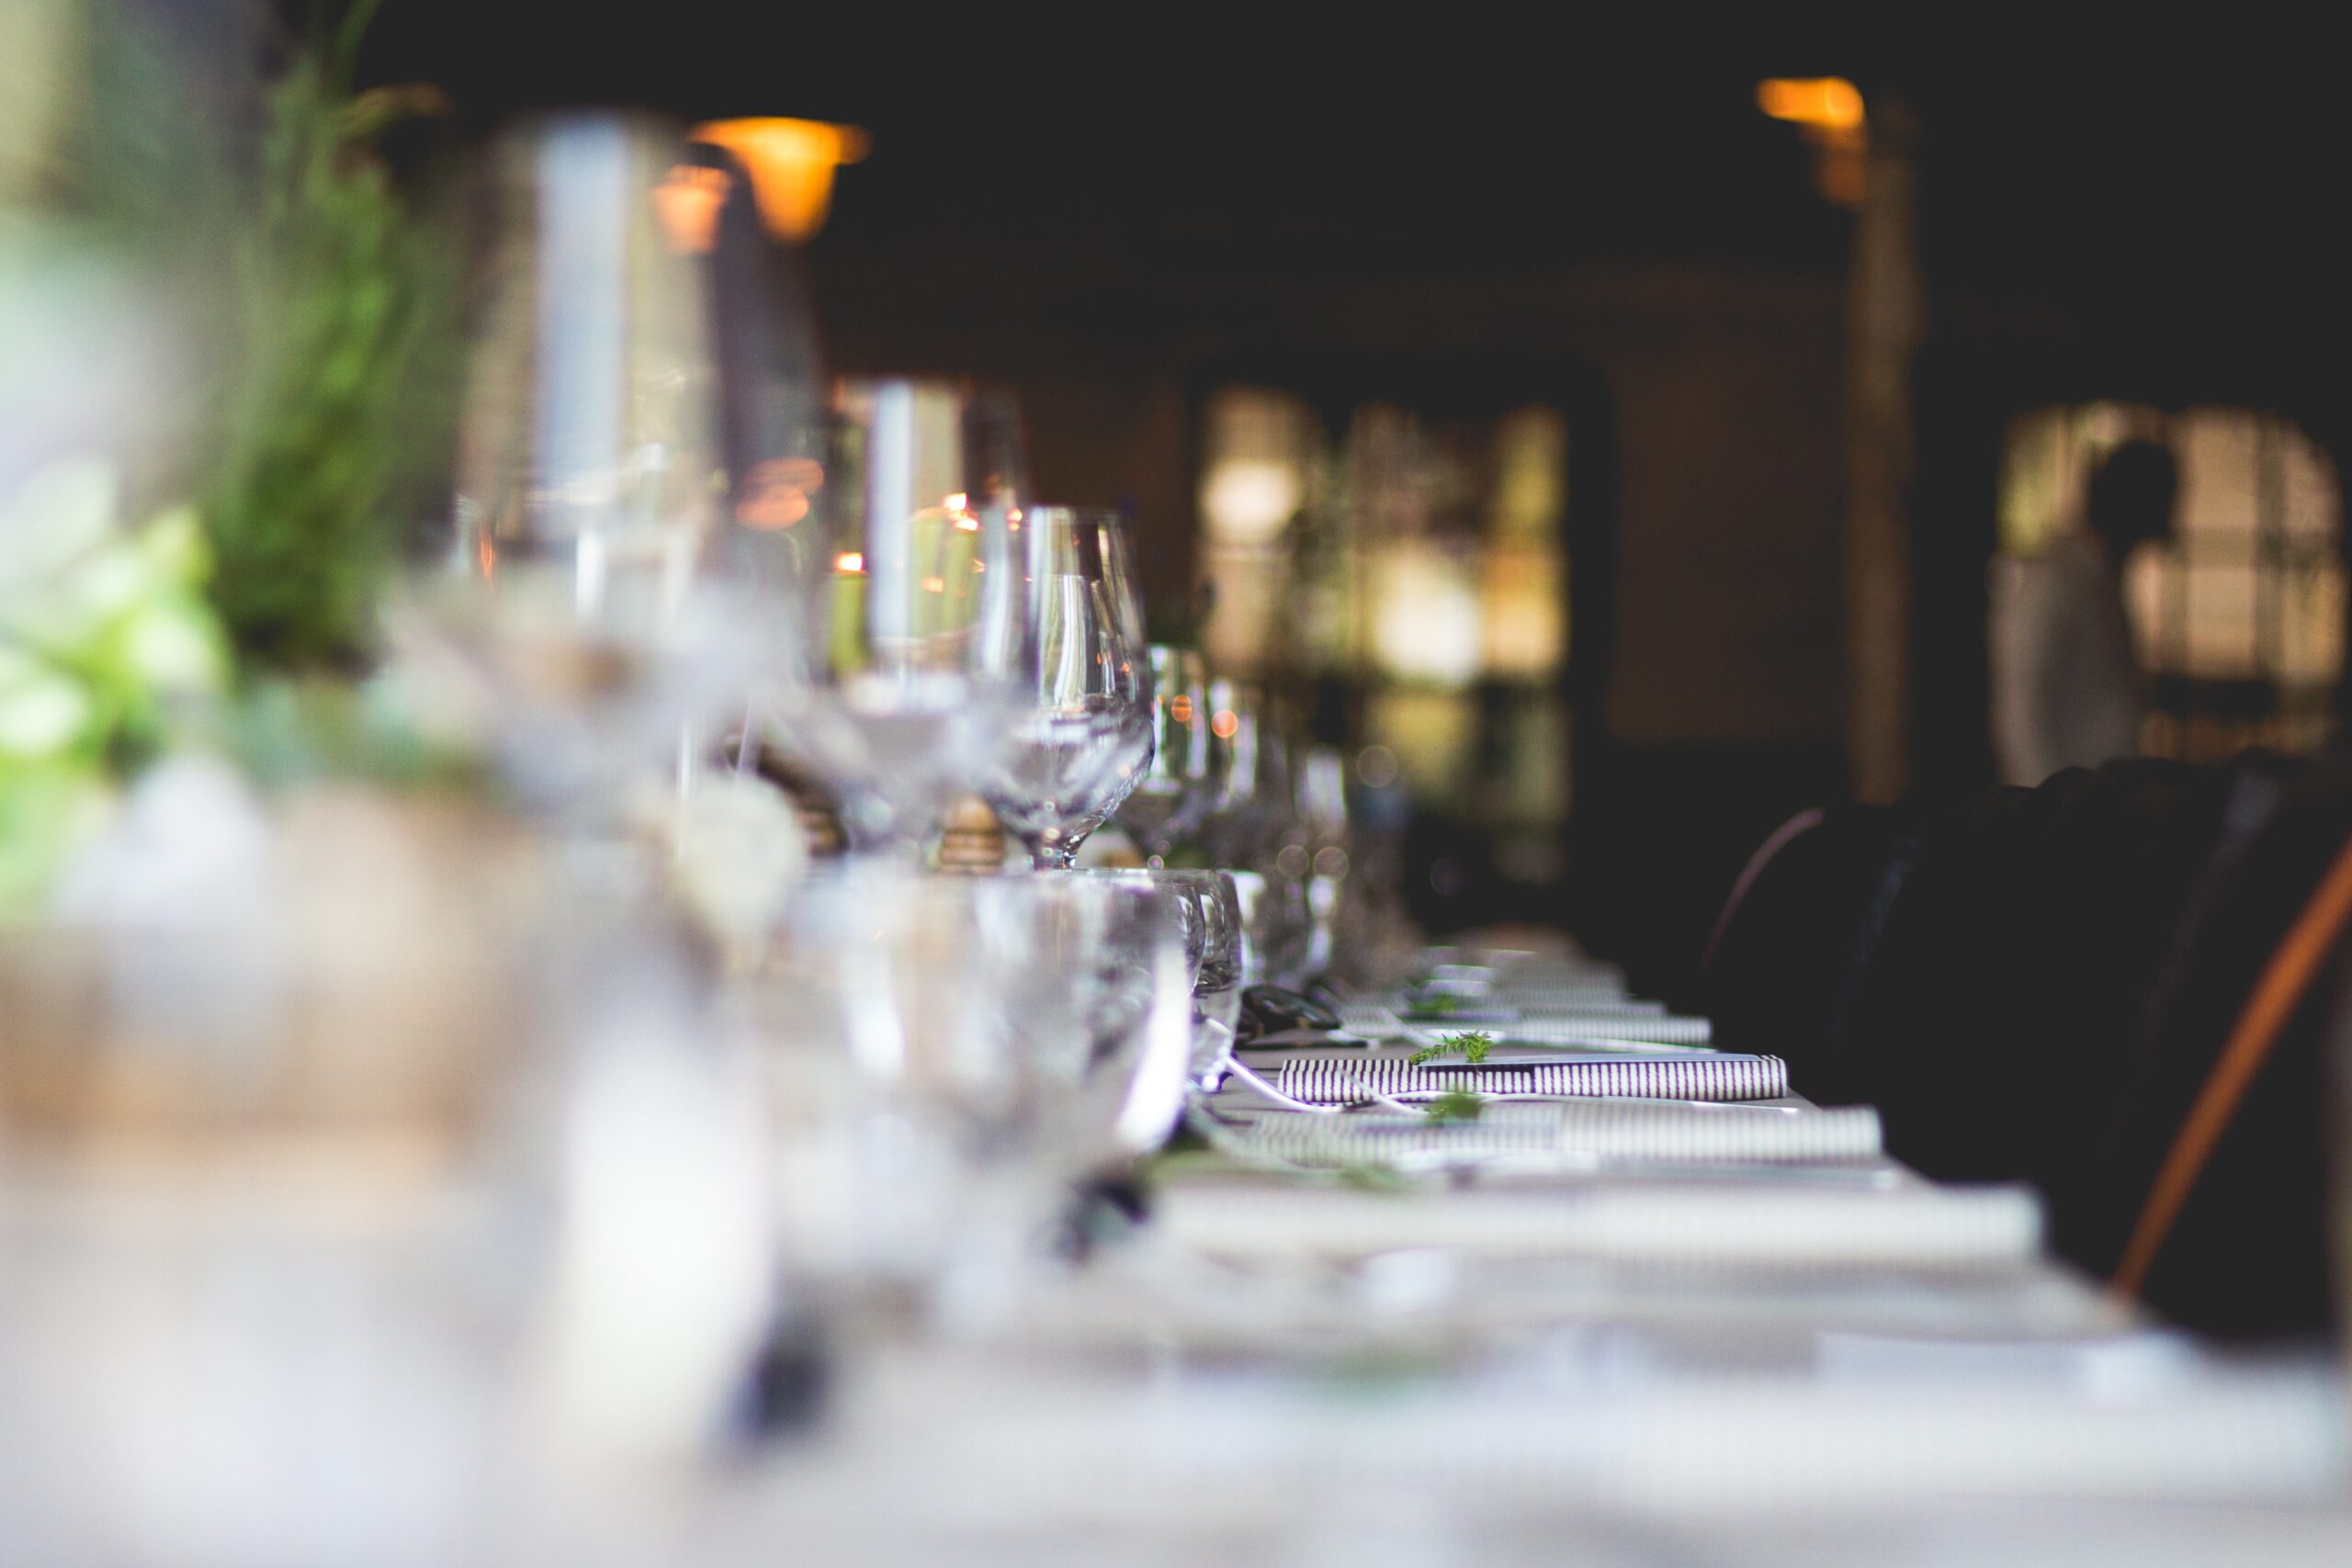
1057	853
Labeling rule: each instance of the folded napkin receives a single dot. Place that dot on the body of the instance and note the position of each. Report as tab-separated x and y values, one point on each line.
1538	1026
1665	1029
1328	1079
1633	1131
1751	1220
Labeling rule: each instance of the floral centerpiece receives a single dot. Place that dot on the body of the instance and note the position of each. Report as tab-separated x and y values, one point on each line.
216	824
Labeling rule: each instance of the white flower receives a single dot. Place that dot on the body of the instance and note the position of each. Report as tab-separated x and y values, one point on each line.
740	849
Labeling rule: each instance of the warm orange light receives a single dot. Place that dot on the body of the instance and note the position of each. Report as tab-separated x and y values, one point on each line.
1829	109
850	561
968	523
1180	709
935	585
959	501
687	203
791	162
1831	102
1223	723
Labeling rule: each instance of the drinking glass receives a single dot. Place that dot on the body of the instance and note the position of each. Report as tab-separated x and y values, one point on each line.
1207	905
947	1056
1322	776
916	624
1249	795
1082	733
577	603
1252	827
1172	795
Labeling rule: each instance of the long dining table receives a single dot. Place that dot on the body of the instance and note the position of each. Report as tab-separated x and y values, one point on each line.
1632	1328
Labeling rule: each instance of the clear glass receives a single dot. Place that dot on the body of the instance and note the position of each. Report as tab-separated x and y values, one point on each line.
1249	788
1174	794
1207	905
1080	738
1254	828
946	1055
1322	774
915	618
575	590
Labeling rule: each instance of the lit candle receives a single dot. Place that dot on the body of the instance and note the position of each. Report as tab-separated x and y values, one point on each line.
846	635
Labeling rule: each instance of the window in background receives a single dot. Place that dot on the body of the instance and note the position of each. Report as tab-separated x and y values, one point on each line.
1260	448
2241	622
1418	573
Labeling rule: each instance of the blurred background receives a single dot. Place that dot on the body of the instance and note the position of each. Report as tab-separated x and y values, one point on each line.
1615	449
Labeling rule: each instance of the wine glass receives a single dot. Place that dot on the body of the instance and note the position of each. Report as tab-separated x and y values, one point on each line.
1082	733
1172	797
947	1054
915	624
577	605
1323	823
1253	828
1208	909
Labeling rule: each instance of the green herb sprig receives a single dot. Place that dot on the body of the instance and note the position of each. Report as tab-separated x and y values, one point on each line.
1470	1045
341	352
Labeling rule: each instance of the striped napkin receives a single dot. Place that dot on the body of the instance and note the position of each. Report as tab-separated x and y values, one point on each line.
1334	1081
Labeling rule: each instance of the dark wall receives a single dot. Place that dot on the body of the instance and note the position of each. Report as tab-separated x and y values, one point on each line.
1718	709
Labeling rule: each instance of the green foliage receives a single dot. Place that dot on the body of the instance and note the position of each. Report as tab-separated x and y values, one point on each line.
1471	1046
343	299
1456	1105
104	632
283	731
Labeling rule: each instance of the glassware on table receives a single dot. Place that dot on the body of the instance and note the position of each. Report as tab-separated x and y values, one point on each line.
1323	838
310	1195
1253	827
1080	738
946	1056
1175	792
1208	906
915	619
1249	794
577	598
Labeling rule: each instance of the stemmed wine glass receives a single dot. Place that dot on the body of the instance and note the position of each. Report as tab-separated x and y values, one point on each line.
1172	797
1251	826
927	1146
1081	731
578	593
915	619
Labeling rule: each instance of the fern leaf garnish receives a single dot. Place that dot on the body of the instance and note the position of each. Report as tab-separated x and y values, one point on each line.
1470	1045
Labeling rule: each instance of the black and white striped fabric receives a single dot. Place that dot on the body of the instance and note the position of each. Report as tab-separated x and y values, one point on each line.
1336	1081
